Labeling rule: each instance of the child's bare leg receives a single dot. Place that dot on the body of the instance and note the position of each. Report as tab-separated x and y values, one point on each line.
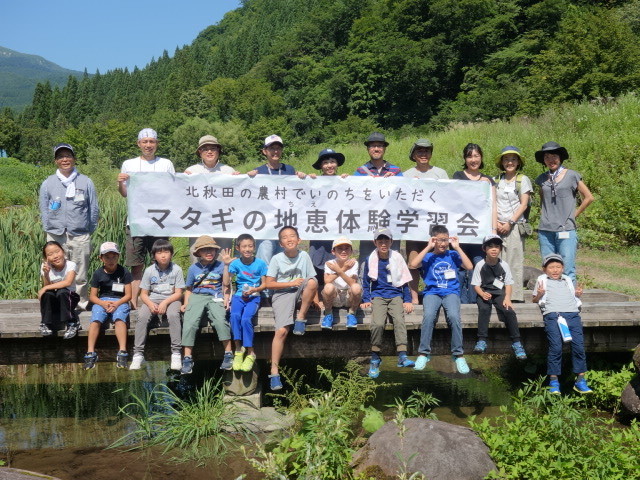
188	351
121	334
92	337
308	294
329	293
277	346
355	297
136	273
227	345
413	286
238	345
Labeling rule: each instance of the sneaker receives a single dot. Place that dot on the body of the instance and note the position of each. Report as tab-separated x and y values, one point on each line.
554	387
72	330
248	363
374	368
90	359
581	385
299	327
187	365
461	365
352	321
45	331
227	361
121	359
481	346
238	359
176	361
327	322
518	349
136	362
421	362
404	361
274	382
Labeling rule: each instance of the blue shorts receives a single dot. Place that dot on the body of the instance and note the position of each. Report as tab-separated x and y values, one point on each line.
99	314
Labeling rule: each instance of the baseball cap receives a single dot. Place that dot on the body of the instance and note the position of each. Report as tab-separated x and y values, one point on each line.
552	257
492	239
341	241
61	146
147	133
272	139
382	232
107	247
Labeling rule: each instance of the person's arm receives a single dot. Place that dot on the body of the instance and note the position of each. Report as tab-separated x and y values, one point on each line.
174	297
127	295
366	286
507	297
94	209
494	208
341	272
93	298
67	281
187	294
144	296
466	263
407	303
44	204
587	197
505	227
538	292
417	260
123	178
259	288
272	284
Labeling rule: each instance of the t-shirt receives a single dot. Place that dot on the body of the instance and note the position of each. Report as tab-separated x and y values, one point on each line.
56	276
434	172
138	165
558	296
199	168
484	275
206	279
161	284
558	211
247	274
508	196
460	175
382	286
283	170
439	273
104	281
287	269
339	282
368	169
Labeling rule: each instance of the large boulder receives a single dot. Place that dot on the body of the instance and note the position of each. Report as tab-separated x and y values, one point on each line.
438	450
630	398
241	383
636	359
17	474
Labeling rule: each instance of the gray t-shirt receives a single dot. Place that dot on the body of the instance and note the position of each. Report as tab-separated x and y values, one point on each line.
162	283
559	209
433	172
558	296
508	196
287	269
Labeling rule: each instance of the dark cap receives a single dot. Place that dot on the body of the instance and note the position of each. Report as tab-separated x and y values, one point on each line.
551	147
328	153
61	146
552	257
376	137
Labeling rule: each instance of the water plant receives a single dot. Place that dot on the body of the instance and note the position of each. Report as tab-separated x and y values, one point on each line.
607	387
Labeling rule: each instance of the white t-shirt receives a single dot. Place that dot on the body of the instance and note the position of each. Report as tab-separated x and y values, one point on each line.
339	282
138	164
199	168
434	172
509	199
56	276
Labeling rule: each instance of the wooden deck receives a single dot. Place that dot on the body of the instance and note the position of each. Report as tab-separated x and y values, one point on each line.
611	323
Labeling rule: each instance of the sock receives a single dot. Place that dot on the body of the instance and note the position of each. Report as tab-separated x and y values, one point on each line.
375	356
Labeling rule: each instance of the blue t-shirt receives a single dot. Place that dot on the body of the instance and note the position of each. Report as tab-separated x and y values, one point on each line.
283	170
435	270
247	274
206	279
382	287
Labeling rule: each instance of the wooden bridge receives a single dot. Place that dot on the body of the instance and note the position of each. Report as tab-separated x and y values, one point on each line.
611	323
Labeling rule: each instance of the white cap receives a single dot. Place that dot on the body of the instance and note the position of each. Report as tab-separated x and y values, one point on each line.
341	241
147	133
107	247
272	139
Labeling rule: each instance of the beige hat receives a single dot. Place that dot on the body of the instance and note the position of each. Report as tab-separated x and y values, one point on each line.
341	241
208	140
203	241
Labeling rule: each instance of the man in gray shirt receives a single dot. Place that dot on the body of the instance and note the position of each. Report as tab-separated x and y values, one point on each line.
69	213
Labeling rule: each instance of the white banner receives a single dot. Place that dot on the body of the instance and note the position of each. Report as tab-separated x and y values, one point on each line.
165	205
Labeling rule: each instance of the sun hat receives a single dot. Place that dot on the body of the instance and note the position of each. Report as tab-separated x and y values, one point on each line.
107	247
272	139
551	147
382	232
424	143
341	241
376	137
552	257
506	150
208	140
491	239
147	133
62	146
328	153
203	241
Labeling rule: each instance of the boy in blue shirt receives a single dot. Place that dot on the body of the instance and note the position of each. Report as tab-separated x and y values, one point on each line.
442	289
205	293
385	288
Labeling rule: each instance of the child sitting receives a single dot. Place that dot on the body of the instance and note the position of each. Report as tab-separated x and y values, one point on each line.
558	299
439	267
250	278
58	297
205	293
110	294
341	287
160	293
292	276
385	287
492	282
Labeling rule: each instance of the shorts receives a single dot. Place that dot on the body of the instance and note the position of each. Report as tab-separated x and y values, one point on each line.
99	314
137	248
343	298
284	305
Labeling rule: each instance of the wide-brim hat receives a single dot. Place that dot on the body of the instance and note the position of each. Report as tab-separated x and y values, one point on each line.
551	147
376	137
505	151
424	143
328	153
208	140
203	241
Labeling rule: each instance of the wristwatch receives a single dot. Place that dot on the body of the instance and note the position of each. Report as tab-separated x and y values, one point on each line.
512	223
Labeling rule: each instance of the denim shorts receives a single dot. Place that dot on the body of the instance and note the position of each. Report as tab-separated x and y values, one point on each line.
99	314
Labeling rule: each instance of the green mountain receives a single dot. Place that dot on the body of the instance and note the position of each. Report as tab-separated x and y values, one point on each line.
21	72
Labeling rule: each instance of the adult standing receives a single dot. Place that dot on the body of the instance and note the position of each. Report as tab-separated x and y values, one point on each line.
421	153
69	212
513	193
560	188
137	248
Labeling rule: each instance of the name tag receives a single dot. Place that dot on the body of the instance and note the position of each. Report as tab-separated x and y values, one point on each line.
118	287
388	278
449	274
498	283
79	197
563	235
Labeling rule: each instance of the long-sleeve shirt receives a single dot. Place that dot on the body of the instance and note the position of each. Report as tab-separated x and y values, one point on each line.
382	287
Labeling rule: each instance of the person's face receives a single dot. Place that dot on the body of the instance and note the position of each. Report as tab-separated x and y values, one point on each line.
246	248
441	243
207	255
510	162
552	161
492	250
376	150
422	155
54	256
273	152
554	270
383	244
473	160
65	161
289	239
209	155
343	252
110	260
148	147
329	166
162	257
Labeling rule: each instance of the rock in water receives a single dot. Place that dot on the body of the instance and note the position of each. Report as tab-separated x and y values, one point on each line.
241	383
438	450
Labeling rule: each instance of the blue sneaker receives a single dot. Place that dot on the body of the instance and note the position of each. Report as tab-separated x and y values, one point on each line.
374	368
299	327
352	321
421	362
90	359
187	365
327	322
518	349
227	361
481	346
554	387
461	365
404	361
275	383
581	385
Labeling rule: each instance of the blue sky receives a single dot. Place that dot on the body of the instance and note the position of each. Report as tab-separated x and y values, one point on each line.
105	34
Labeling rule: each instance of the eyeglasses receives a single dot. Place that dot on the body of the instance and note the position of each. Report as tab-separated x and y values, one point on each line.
209	148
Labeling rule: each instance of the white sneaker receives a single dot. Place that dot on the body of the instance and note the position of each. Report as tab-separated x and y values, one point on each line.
176	361
136	363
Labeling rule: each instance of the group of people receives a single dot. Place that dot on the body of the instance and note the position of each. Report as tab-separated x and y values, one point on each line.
381	278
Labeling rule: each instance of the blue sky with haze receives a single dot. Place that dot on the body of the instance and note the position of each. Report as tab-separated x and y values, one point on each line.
105	35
